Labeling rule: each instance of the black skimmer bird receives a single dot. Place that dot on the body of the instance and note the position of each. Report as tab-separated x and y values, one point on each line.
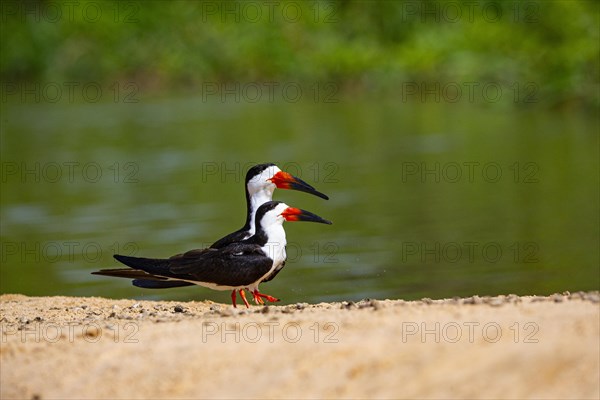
261	182
236	266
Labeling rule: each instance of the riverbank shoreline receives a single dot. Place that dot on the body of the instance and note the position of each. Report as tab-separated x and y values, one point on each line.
477	347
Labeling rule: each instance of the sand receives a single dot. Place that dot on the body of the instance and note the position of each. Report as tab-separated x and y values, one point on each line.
490	347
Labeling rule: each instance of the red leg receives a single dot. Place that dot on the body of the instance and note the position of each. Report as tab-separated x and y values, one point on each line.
243	294
257	298
233	299
258	295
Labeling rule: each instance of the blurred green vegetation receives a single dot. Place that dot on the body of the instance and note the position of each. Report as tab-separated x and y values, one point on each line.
365	46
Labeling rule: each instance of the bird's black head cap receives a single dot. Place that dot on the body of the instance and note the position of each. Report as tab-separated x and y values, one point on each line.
257	169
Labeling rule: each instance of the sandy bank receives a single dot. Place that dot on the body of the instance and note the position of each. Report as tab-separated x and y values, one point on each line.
500	347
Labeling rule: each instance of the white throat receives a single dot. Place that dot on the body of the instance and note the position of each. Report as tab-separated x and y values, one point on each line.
275	247
257	199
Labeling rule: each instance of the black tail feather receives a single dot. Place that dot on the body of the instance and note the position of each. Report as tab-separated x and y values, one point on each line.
129	273
149	273
154	266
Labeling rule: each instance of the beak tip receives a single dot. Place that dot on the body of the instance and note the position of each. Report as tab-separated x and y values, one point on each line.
288	181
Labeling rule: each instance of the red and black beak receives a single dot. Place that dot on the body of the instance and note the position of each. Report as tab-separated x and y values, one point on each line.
283	180
297	214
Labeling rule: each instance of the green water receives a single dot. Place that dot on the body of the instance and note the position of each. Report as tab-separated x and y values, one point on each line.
427	200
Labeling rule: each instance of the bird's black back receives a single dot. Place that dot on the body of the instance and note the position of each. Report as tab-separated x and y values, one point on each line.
238	264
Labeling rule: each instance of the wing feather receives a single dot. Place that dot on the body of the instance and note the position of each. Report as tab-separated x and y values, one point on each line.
237	264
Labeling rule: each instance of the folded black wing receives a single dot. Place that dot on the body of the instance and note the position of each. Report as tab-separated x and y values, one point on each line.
237	264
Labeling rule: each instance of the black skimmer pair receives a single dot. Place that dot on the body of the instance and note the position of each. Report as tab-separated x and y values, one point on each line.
241	260
236	266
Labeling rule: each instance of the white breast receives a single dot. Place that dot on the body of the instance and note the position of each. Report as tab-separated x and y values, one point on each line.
275	248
